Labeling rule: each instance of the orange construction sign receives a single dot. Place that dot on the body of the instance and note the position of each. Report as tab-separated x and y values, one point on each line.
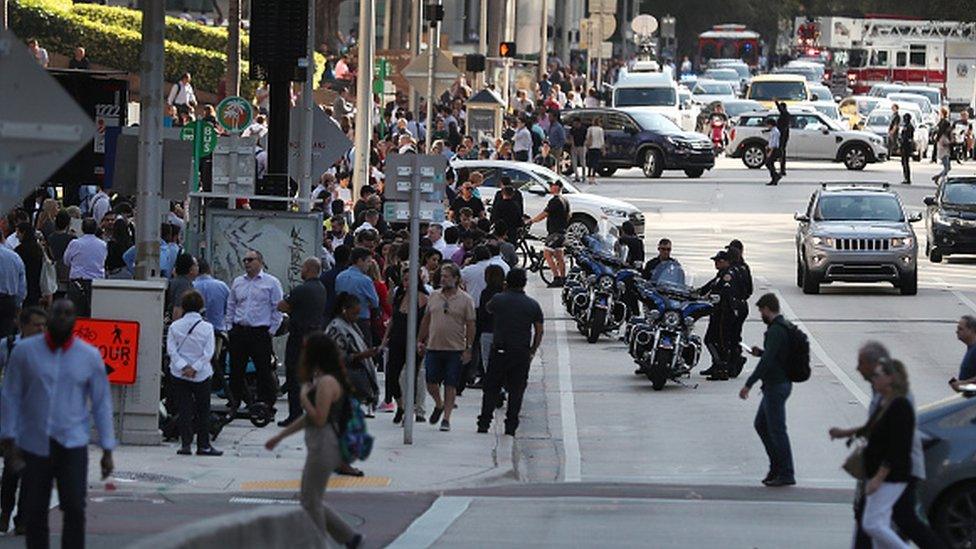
118	341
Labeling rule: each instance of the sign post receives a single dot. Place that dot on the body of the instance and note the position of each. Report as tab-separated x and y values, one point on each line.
204	137
234	114
414	176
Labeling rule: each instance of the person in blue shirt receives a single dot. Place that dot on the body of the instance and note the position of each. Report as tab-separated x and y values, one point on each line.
966	332
214	293
328	279
169	249
355	281
13	287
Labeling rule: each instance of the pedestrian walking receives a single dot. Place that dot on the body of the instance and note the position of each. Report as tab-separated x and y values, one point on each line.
943	146
182	96
190	347
523	141
773	150
446	338
907	148
31	321
53	385
356	353
252	313
770	420
595	142
557	215
305	306
395	341
185	270
783	123
13	287
966	333
517	334
324	390
888	454
904	514
577	136
85	259
355	282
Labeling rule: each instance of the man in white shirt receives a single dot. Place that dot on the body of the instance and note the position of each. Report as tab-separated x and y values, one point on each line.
99	204
181	95
772	151
473	276
523	142
190	346
85	259
436	235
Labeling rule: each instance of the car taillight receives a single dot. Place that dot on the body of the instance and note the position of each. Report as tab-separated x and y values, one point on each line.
732	135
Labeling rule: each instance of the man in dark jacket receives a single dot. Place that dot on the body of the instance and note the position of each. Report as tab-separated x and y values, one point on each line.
305	305
783	124
906	144
770	420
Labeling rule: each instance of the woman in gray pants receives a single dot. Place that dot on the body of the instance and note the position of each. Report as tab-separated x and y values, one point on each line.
323	392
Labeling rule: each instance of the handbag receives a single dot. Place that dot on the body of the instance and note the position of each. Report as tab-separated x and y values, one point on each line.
854	464
49	277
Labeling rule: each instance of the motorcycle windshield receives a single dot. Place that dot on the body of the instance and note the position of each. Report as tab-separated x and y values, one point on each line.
669	274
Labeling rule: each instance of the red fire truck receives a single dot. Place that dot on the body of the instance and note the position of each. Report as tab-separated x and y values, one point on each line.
730	41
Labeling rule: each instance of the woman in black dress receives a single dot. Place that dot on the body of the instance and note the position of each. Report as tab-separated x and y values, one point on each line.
395	341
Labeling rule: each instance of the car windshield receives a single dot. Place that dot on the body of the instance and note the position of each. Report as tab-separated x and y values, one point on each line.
548	175
882	118
960	192
822	92
644	97
830	111
865	106
728	75
654	122
859	207
739	107
785	91
934	96
923	103
713	88
808	74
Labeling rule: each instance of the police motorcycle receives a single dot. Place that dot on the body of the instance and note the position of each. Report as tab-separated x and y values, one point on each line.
594	286
662	342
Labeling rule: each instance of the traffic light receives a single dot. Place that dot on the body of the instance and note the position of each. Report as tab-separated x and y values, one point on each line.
506	49
474	62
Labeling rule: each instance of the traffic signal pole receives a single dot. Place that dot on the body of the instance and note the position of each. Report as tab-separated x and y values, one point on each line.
149	194
305	141
364	97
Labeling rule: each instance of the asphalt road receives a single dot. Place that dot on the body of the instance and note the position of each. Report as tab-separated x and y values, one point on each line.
605	461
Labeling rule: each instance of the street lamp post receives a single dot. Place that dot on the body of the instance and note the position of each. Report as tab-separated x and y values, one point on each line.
364	96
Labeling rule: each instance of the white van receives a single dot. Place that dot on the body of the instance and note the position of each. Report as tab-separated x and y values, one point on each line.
653	92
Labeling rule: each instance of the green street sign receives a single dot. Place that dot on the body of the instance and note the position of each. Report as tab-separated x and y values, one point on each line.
204	137
234	113
381	70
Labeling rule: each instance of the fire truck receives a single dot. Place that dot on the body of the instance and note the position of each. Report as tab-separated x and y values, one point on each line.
729	41
879	49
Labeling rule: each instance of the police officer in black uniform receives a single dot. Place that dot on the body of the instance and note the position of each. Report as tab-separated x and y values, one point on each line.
721	323
742	291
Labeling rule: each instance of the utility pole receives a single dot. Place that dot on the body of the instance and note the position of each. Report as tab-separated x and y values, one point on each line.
544	41
479	82
308	103
364	96
234	48
509	36
433	44
387	22
150	171
3	14
417	17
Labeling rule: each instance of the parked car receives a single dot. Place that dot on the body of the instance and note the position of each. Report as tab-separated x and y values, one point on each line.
930	116
948	494
646	140
769	88
812	136
855	109
586	210
933	94
727	74
950	225
653	92
854	233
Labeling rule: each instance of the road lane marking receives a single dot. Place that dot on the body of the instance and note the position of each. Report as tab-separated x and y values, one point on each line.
572	467
818	349
430	526
335	482
959	295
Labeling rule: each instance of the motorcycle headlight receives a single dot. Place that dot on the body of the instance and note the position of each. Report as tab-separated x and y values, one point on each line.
823	241
672	319
605	283
902	242
689	322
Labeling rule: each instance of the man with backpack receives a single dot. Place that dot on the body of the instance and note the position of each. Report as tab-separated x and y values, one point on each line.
780	365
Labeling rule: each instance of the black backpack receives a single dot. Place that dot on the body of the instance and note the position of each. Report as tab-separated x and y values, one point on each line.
797	363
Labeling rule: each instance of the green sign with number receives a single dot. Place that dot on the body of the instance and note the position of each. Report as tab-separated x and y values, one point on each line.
204	137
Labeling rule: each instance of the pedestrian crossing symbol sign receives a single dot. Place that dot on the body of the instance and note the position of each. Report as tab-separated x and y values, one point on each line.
117	341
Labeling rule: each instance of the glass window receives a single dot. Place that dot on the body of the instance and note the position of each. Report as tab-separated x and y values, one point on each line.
772	90
655	122
901	59
519	177
802	121
879	58
491	178
617	122
961	192
916	55
859	59
859	207
644	97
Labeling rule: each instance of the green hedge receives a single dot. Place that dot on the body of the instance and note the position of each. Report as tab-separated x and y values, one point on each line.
60	30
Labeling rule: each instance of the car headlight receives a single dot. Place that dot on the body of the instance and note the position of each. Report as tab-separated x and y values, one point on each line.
823	241
672	319
680	143
902	242
605	283
614	212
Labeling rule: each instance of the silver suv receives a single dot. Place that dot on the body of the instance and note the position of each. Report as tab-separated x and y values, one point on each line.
856	234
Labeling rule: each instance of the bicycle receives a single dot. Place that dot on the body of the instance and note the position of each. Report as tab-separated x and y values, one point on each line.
530	258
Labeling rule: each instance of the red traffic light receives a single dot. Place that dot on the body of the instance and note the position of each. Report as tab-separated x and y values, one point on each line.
506	49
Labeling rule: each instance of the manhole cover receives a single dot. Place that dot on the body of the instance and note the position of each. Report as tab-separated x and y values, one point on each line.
134	476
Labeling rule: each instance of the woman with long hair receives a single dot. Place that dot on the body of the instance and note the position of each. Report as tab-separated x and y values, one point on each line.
395	341
888	455
324	389
378	322
121	241
45	218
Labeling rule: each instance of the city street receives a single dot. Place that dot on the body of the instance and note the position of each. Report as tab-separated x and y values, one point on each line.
601	458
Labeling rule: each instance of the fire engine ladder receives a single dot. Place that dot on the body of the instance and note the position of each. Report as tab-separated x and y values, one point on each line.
897	28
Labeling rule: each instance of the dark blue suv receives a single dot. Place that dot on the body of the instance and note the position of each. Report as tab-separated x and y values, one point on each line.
650	141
